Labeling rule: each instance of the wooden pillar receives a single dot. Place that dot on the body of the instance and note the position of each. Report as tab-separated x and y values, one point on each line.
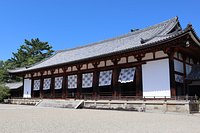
52	87
115	85
95	80
32	85
184	76
170	53
64	84
138	75
23	85
41	85
139	87
79	82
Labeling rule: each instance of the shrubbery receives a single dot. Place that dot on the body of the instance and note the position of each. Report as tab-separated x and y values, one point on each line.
4	92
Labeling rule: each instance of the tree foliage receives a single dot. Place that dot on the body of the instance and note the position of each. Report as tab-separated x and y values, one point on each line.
31	52
4	92
28	54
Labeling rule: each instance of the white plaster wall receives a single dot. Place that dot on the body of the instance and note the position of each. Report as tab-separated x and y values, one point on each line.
102	64
90	66
84	67
122	60
69	69
27	88
160	54
109	63
148	56
60	70
74	68
156	79
131	59
178	66
56	71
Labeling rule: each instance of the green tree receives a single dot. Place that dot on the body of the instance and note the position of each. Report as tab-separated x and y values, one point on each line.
4	92
29	53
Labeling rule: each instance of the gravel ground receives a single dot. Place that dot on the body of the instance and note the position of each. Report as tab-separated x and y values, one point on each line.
29	119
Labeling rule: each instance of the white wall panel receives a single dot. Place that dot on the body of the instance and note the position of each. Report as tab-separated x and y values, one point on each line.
156	79
27	88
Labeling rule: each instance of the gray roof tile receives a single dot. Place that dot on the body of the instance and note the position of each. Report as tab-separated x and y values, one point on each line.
128	41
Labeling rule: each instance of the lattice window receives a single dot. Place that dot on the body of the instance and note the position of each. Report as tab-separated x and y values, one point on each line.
47	84
105	78
36	86
126	75
87	79
58	82
72	81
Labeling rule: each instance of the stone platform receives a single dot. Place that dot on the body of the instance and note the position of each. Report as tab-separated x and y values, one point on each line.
169	106
145	106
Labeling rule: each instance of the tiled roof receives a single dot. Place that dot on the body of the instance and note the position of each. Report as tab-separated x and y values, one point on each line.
131	40
15	85
194	74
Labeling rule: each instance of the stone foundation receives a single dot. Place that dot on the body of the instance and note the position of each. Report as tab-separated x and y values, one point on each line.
23	101
145	106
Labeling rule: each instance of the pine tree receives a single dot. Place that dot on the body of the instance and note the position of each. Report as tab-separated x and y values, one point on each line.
31	52
28	54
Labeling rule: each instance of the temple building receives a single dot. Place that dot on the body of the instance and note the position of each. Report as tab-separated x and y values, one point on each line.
150	62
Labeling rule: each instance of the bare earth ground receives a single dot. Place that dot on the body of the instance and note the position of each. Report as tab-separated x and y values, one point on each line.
29	119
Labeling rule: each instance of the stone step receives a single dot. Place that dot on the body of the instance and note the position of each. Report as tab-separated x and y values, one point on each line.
61	103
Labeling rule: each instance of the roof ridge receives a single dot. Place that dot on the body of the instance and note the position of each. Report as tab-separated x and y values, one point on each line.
123	36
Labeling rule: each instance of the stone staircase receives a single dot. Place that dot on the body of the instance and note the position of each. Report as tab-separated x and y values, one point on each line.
60	103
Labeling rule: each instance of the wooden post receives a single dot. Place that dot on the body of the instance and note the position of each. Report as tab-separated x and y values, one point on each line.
32	85
23	86
139	87
52	87
64	84
170	53
138	73
79	82
184	75
41	85
115	85
95	80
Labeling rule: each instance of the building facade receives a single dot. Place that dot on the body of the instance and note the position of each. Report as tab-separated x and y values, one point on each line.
151	62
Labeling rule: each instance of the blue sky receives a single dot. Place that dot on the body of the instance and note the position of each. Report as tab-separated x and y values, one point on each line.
70	23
